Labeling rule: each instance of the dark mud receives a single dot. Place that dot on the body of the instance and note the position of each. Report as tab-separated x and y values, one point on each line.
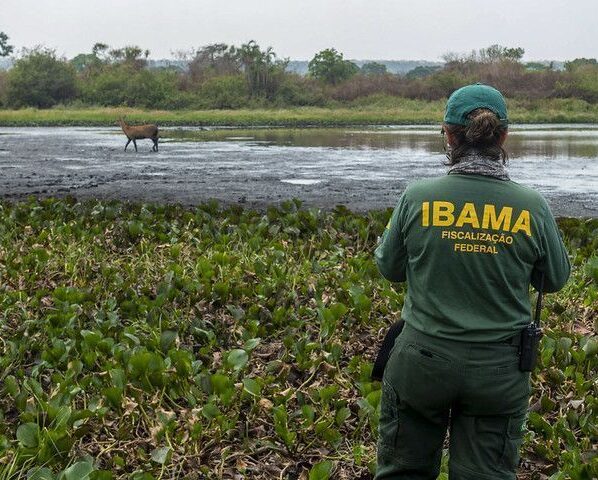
89	163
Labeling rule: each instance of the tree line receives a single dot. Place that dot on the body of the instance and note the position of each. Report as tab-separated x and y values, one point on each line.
222	76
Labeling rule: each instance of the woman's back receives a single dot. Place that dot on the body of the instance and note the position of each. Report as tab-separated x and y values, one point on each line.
471	243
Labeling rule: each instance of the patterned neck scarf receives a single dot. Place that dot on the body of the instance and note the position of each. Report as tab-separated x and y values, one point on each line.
475	164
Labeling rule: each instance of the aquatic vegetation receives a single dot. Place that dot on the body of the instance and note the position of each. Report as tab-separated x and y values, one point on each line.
149	341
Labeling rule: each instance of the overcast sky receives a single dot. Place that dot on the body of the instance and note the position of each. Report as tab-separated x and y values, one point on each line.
361	29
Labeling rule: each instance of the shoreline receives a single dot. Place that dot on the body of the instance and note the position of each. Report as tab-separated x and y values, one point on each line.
562	208
391	111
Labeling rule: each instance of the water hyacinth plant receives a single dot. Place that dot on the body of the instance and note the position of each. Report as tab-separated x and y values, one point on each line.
150	341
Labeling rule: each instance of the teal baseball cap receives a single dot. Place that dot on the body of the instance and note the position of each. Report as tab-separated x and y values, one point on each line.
471	97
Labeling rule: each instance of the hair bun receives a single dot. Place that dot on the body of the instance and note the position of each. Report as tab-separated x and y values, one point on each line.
484	128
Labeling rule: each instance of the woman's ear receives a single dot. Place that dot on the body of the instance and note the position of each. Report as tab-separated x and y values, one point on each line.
503	137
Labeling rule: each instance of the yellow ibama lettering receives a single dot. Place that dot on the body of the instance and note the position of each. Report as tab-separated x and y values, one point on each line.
442	214
523	223
489	220
425	214
468	215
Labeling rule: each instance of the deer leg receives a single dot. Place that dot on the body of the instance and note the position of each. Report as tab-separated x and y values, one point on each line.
135	144
155	140
129	141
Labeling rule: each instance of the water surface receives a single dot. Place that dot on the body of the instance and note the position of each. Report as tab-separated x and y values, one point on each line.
364	167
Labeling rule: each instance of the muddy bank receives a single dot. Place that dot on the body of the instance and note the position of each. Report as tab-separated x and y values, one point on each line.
90	163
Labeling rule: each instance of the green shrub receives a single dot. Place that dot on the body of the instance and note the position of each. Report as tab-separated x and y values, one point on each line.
122	85
224	92
582	83
40	79
300	91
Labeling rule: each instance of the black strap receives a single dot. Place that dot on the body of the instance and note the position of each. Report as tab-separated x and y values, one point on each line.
384	352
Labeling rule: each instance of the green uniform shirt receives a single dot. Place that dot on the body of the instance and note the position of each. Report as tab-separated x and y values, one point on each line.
469	246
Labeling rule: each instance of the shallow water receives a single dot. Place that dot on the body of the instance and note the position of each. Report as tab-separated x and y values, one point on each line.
365	167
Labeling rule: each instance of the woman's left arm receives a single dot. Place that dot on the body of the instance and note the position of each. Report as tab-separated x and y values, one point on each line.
391	253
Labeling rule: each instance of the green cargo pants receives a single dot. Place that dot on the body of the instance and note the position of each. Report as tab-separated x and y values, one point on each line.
476	391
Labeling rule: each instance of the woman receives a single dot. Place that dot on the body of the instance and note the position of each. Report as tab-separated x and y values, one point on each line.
468	245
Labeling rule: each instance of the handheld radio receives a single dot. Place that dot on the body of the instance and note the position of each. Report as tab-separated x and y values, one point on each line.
531	336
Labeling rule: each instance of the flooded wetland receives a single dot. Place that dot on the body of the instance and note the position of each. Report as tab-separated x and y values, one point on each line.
361	167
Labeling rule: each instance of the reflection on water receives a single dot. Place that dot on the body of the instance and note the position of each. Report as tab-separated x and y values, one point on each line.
551	158
550	141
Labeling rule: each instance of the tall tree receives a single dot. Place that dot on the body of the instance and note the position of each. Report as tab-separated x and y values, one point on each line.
215	60
131	55
492	54
100	50
263	70
329	66
5	48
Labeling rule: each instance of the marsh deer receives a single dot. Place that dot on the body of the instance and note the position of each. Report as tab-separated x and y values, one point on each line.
139	132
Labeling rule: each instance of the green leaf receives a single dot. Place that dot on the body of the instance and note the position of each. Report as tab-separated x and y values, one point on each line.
167	339
160	455
237	312
327	393
182	361
101	475
237	358
591	347
11	387
135	229
252	387
342	415
114	395
308	413
90	338
142	476
28	435
251	344
210	411
78	471
133	338
118	378
321	471
565	344
220	383
40	474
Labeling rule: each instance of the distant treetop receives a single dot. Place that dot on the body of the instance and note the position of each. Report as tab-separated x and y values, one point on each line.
492	54
5	48
373	68
329	66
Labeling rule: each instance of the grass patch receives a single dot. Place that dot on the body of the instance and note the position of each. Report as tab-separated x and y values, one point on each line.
144	341
373	111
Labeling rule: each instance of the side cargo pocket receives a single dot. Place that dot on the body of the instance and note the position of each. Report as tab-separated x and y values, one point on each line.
513	441
389	422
